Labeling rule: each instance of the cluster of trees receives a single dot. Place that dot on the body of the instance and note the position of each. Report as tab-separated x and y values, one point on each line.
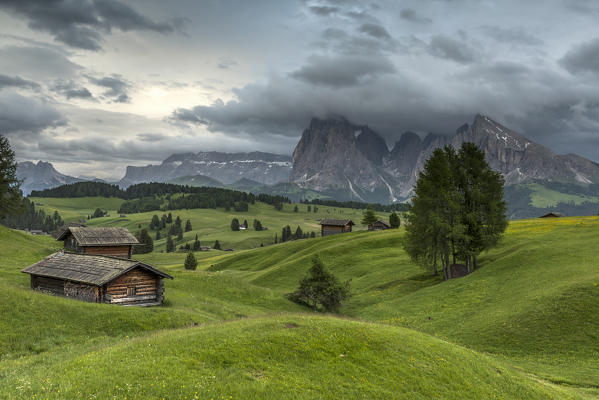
10	191
370	217
360	205
146	243
457	211
98	213
176	229
310	208
258	225
320	288
235	225
287	234
145	197
190	262
27	217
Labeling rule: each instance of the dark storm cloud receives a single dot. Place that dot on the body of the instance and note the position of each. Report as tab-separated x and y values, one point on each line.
117	87
451	49
514	35
583	58
323	11
71	90
375	30
411	15
16	82
21	115
81	24
342	71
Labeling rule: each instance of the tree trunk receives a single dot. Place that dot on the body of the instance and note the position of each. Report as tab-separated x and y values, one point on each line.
468	264
435	272
474	262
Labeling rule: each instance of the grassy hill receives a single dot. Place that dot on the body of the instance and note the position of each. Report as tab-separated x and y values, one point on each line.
524	325
208	224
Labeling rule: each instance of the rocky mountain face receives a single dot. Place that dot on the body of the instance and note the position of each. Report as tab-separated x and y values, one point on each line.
353	162
41	176
265	168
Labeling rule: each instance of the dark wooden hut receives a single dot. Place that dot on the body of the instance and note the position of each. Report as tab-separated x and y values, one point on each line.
117	242
378	226
552	215
63	228
334	226
99	279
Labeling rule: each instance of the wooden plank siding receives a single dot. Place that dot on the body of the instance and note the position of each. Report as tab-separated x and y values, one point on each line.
135	285
114	251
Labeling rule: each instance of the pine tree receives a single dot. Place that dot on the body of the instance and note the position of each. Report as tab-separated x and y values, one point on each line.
276	239
234	224
245	223
170	245
188	226
178	222
155	223
295	209
146	242
190	261
257	225
180	235
169	218
10	192
312	234
163	221
298	233
394	221
216	245
158	237
369	217
196	244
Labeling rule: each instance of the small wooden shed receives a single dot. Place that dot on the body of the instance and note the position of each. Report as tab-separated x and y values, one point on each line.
113	241
378	226
334	226
99	279
63	228
552	215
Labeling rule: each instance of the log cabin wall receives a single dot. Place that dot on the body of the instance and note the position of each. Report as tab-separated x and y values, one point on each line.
136	286
70	244
47	285
114	251
59	287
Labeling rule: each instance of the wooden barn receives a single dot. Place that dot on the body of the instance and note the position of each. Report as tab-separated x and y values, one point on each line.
334	226
63	228
117	242
99	279
378	226
552	215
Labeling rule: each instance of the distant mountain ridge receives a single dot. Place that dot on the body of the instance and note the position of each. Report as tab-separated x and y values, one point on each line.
336	157
266	168
41	176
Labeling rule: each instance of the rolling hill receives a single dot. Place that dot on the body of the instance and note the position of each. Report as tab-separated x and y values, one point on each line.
524	325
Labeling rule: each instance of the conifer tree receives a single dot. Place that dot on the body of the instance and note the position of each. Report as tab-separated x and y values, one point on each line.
155	223
10	191
298	233
216	245
245	223
369	217
158	237
178	222
196	244
394	220
234	224
169	218
295	209
190	261
180	235
170	245
188	226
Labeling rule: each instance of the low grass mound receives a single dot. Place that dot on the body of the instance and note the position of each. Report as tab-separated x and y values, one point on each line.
288	356
534	301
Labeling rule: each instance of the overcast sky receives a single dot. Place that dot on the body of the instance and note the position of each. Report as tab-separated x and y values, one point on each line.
95	85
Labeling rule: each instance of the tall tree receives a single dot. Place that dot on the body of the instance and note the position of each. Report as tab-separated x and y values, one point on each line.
170	245
169	218
394	220
146	242
10	192
188	226
369	217
178	221
190	261
196	244
158	237
234	224
155	223
216	245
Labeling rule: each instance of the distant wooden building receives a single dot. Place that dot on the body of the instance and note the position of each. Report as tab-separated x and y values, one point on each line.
117	242
334	226
378	226
552	215
99	279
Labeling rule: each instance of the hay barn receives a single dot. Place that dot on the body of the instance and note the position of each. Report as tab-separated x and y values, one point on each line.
117	242
378	226
99	279
335	226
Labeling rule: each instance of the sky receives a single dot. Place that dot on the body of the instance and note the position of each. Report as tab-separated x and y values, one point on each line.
95	85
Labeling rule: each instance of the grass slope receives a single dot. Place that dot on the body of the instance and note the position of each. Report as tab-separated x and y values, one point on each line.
208	224
535	301
291	356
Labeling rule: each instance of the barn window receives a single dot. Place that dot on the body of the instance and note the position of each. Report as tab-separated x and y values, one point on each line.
131	291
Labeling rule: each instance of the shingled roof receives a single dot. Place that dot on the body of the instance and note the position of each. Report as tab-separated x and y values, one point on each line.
336	222
86	236
84	268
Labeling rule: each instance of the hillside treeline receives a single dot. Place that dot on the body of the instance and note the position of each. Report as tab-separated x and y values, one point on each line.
519	203
359	205
32	219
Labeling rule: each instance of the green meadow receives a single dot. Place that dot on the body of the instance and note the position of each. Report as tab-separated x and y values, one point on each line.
525	325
